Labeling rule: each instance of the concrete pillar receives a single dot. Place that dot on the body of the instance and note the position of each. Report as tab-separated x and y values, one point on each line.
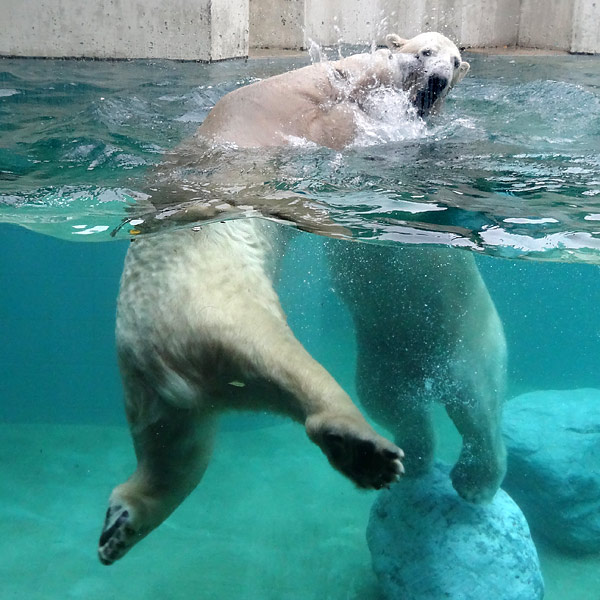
546	24
586	27
178	29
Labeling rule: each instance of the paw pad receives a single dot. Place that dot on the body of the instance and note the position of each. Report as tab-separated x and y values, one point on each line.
367	459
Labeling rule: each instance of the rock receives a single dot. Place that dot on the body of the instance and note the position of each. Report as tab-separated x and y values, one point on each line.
429	544
553	444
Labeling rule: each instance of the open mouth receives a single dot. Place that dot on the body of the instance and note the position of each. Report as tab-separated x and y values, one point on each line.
427	97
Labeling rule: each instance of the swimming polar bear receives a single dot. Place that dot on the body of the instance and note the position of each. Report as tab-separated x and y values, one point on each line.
200	328
321	103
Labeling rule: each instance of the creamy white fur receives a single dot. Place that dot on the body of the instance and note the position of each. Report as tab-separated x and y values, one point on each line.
321	102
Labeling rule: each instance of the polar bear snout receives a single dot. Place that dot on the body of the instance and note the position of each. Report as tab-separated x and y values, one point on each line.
437	83
435	88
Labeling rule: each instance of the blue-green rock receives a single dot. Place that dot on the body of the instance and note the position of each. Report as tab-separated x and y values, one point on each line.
553	444
427	543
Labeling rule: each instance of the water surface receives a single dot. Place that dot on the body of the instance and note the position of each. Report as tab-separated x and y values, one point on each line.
511	168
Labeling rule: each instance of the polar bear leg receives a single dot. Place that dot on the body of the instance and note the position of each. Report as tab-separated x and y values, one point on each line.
172	453
301	388
390	399
482	463
372	281
427	329
476	410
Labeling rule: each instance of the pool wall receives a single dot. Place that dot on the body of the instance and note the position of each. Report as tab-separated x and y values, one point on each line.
182	30
219	29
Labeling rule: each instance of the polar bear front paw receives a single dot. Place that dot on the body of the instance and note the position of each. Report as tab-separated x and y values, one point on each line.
118	534
359	453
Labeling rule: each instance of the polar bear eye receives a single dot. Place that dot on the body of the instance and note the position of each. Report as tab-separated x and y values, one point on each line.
456	63
426	52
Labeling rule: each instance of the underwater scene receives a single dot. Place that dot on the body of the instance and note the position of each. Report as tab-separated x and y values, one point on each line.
478	225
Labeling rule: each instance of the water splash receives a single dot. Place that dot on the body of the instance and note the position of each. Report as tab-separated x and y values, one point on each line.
388	116
315	52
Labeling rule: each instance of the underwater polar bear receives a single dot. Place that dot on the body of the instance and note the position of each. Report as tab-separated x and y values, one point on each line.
197	311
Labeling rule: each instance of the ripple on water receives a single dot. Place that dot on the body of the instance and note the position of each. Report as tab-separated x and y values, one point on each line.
509	168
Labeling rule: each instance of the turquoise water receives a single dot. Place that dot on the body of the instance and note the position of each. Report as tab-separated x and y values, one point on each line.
511	170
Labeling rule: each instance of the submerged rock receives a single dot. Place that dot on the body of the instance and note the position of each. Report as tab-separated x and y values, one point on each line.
553	443
427	543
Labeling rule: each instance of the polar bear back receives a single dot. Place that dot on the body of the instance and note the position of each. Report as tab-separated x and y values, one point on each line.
317	103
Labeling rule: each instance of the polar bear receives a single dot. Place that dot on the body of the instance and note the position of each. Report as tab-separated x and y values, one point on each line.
200	328
427	330
321	103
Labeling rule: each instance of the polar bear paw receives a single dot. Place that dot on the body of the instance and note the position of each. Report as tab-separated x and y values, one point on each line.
357	451
118	535
476	478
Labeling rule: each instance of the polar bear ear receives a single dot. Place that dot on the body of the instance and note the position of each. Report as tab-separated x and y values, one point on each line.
463	70
394	41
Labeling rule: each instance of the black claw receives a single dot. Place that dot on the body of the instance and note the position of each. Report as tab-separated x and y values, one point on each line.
105	561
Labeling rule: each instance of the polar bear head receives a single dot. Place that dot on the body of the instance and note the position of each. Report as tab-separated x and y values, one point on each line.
436	68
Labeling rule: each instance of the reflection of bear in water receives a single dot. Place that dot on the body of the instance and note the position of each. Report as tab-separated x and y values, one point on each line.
200	328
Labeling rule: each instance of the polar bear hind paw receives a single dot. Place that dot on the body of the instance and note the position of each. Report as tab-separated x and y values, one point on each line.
117	535
365	457
478	481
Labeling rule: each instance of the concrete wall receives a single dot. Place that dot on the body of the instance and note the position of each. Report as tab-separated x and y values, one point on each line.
586	26
353	21
177	29
218	29
550	27
482	23
572	25
277	23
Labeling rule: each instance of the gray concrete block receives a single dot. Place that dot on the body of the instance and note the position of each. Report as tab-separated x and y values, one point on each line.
546	24
183	29
277	24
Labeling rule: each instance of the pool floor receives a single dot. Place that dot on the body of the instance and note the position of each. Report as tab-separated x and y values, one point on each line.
271	520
